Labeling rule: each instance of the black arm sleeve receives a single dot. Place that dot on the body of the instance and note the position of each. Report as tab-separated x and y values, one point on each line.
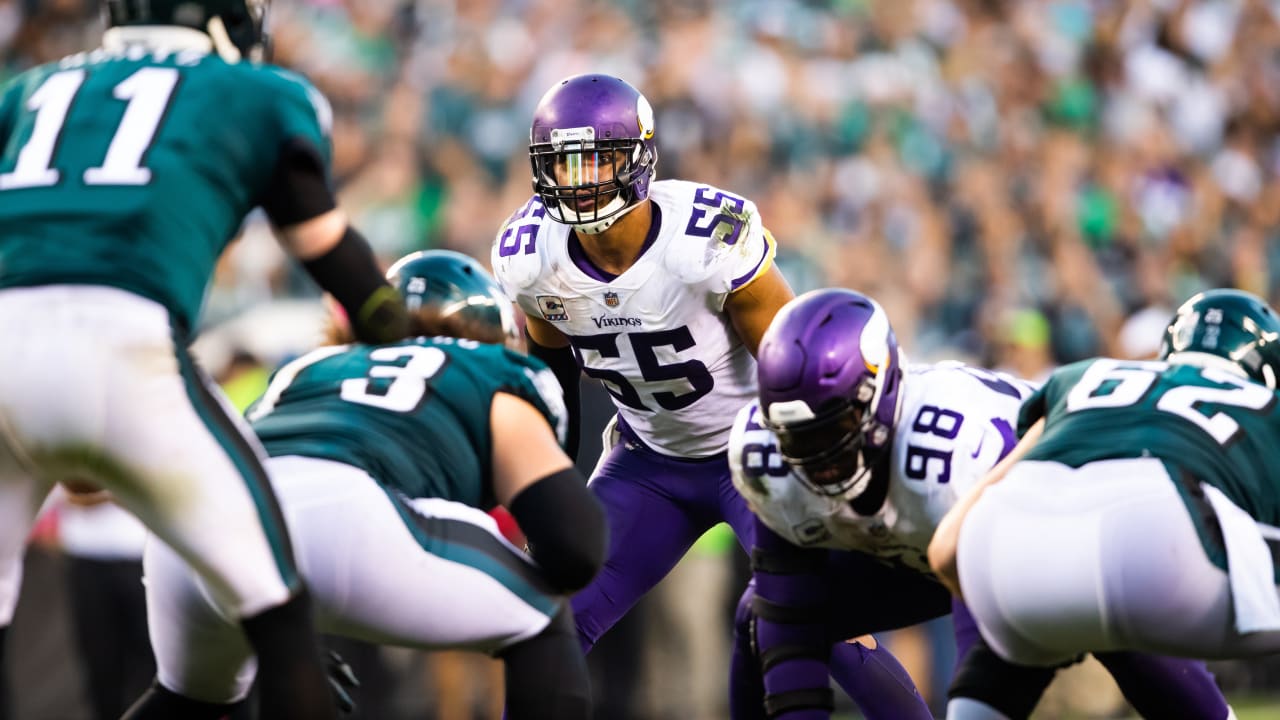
350	273
299	188
565	368
565	526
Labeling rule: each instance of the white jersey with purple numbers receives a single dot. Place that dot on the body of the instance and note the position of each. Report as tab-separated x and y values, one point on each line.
956	423
657	335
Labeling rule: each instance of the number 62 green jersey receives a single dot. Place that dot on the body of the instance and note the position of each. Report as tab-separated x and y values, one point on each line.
134	167
1205	422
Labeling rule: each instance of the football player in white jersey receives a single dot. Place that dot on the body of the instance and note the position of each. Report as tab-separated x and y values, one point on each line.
660	290
849	453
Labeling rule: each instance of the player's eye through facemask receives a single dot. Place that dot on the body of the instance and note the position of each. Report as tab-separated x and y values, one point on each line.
584	182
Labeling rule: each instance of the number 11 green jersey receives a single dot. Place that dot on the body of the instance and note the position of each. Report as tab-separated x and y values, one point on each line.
135	167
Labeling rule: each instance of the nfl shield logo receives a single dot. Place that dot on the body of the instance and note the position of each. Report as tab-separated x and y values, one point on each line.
611	299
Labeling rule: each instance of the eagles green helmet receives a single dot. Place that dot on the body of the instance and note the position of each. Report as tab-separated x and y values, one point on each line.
235	26
1230	325
457	292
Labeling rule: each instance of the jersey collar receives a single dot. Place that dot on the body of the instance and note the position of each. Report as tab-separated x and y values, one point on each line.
583	263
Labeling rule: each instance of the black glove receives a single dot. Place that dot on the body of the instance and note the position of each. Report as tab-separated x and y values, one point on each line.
341	681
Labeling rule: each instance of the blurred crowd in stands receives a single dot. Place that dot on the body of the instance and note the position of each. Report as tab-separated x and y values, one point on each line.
966	161
1021	183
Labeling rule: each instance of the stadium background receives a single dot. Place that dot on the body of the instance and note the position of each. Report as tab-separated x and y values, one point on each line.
1020	183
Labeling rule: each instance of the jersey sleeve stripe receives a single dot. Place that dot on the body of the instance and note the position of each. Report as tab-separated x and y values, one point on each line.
766	261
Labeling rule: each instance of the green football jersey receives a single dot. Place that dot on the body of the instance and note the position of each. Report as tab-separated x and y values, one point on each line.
414	415
136	168
1203	423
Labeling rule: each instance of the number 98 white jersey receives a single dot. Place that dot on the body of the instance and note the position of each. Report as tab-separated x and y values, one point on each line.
656	336
955	423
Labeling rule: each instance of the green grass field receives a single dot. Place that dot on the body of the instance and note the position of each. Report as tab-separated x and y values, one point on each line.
1268	709
1246	709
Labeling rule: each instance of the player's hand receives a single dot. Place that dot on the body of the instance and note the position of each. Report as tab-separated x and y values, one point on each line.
342	680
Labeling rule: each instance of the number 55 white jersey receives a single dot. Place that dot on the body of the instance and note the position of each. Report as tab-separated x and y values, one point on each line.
657	335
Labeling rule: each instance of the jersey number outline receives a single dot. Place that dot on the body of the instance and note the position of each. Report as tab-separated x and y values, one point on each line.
408	381
1127	382
642	346
148	94
526	234
940	422
729	214
760	453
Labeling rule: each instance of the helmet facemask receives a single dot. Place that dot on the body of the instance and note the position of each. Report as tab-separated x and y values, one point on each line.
585	182
829	371
834	453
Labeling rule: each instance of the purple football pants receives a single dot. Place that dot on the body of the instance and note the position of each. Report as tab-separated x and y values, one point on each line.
657	507
819	597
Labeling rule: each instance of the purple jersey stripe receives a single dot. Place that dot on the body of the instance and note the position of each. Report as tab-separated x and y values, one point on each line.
760	267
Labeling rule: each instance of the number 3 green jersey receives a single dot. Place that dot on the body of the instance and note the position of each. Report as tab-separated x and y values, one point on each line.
414	415
1205	423
135	168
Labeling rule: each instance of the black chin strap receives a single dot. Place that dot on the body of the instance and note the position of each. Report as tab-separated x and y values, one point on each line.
872	499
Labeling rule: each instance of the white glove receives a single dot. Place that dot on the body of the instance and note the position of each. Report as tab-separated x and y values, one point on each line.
609	438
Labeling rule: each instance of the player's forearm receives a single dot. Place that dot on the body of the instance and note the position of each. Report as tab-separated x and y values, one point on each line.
946	538
565	367
566	528
349	271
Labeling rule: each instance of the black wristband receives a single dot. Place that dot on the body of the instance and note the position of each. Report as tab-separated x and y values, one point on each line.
565	526
565	367
350	273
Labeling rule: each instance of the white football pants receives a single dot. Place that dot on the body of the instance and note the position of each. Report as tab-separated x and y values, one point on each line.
93	388
1056	561
417	573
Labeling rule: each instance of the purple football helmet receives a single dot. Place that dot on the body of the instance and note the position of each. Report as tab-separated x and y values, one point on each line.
592	150
830	375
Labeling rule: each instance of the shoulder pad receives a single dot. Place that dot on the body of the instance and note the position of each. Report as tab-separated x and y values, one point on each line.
529	378
720	236
516	256
285	74
754	462
304	87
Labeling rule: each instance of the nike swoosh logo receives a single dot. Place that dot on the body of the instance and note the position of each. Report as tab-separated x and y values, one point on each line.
1007	434
981	440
